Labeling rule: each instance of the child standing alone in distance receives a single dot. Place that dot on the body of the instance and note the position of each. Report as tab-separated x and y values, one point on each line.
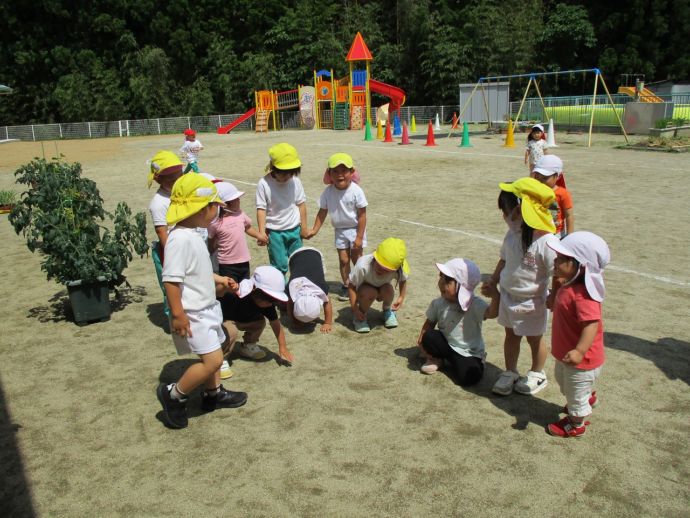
577	338
190	150
196	317
535	146
346	204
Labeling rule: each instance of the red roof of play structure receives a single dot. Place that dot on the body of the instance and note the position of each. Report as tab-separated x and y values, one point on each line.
359	50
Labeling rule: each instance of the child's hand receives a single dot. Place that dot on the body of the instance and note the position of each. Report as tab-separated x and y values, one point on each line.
397	304
180	326
489	289
309	234
357	244
262	240
286	355
573	357
325	328
550	300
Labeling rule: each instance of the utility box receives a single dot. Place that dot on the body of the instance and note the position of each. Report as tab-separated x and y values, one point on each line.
639	117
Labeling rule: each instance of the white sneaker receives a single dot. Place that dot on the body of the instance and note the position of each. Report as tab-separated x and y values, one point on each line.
505	383
532	383
251	351
225	371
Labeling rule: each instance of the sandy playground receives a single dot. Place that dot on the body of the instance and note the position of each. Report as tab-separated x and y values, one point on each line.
353	428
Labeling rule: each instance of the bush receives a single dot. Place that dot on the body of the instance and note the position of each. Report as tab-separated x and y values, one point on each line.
61	216
8	197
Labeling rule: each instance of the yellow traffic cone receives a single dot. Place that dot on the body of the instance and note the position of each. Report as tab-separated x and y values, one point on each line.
379	130
413	125
510	139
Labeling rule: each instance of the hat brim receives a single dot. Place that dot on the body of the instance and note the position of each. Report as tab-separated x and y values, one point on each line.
560	249
177	213
383	263
537	217
237	196
278	295
543	171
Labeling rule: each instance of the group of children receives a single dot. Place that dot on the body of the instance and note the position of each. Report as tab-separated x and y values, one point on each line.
209	308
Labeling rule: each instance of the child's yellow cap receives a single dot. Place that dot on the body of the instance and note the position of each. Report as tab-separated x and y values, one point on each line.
392	254
190	194
340	158
284	156
536	198
163	163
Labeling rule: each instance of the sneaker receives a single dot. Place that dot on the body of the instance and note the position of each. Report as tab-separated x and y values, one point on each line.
223	399
431	366
592	402
174	410
389	319
343	293
225	371
565	428
505	383
361	326
251	351
532	383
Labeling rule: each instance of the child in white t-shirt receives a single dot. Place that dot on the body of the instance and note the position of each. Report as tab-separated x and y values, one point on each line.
190	150
346	204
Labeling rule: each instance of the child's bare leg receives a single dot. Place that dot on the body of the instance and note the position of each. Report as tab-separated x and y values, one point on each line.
386	294
230	338
511	349
344	264
539	352
207	371
366	295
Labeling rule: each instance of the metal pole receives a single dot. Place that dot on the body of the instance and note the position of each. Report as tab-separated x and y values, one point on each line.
486	107
603	83
33	133
466	102
128	127
536	85
158	121
591	118
60	127
89	129
517	117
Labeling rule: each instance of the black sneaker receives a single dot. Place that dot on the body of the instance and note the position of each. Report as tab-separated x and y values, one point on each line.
174	411
223	399
343	293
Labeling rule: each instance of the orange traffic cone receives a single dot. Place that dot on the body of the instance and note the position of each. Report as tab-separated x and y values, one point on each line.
389	137
430	136
405	135
455	121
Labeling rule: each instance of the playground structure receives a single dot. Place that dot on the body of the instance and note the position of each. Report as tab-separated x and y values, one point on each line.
331	103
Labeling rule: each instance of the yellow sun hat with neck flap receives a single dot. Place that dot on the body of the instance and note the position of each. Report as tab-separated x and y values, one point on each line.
536	198
190	194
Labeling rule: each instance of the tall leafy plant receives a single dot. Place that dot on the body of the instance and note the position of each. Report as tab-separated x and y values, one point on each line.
61	215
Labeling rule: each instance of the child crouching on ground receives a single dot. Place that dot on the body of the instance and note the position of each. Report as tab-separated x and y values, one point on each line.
308	289
371	279
577	338
196	318
459	315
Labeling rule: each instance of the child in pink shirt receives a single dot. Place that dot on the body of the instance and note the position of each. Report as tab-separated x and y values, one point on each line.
226	234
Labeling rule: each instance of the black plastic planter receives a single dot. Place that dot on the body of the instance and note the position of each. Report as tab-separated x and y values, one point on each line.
90	301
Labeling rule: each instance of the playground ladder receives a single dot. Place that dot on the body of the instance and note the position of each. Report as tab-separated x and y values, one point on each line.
262	121
341	116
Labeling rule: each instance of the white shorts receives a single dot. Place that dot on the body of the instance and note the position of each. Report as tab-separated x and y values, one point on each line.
576	385
207	331
345	238
526	317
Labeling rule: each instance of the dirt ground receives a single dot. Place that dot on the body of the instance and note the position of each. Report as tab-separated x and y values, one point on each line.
353	428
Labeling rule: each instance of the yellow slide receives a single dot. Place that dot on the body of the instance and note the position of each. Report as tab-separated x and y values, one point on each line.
646	96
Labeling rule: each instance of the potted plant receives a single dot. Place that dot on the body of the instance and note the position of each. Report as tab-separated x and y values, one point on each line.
61	216
7	201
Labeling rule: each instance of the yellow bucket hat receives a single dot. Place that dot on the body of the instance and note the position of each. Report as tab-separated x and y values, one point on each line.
392	254
190	194
340	158
162	163
536	199
283	156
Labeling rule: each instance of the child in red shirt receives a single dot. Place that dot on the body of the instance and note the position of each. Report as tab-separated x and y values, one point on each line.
549	171
577	337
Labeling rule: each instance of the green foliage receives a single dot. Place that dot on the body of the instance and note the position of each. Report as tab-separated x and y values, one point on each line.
61	216
8	197
670	122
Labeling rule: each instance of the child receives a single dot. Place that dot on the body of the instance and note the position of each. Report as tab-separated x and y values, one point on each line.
523	272
281	212
308	289
548	170
577	340
196	318
535	146
459	315
226	234
371	278
247	307
345	202
190	150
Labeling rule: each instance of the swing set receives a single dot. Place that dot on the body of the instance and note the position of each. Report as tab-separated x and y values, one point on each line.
533	81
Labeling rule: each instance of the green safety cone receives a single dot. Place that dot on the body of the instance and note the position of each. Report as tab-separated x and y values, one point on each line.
367	132
465	136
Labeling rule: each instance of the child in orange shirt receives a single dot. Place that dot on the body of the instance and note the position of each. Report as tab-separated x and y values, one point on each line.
548	170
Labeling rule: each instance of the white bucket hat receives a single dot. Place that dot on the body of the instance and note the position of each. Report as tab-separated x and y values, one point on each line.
228	192
466	274
590	251
307	308
268	279
547	165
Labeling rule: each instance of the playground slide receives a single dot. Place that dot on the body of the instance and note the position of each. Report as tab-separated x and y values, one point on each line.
646	96
395	94
239	120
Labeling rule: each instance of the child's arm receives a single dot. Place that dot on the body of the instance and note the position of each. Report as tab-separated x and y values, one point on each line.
526	155
492	310
179	323
587	335
212	244
262	240
569	217
327	317
427	326
162	233
283	351
402	287
252	232
318	221
303	219
495	277
361	227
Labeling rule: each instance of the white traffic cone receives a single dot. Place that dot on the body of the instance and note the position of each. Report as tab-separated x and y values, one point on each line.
551	135
437	124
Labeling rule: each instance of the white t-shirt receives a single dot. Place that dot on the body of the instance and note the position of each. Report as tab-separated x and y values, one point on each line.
363	271
280	201
190	149
187	262
462	329
342	204
159	208
528	274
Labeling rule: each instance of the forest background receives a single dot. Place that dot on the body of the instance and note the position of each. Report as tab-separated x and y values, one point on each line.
101	60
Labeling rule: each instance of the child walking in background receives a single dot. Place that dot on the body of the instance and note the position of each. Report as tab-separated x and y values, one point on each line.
281	212
346	204
459	315
577	341
523	273
535	146
371	280
308	289
196	318
548	170
190	150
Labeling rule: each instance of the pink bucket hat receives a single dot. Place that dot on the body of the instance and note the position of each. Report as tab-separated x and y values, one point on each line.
466	274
